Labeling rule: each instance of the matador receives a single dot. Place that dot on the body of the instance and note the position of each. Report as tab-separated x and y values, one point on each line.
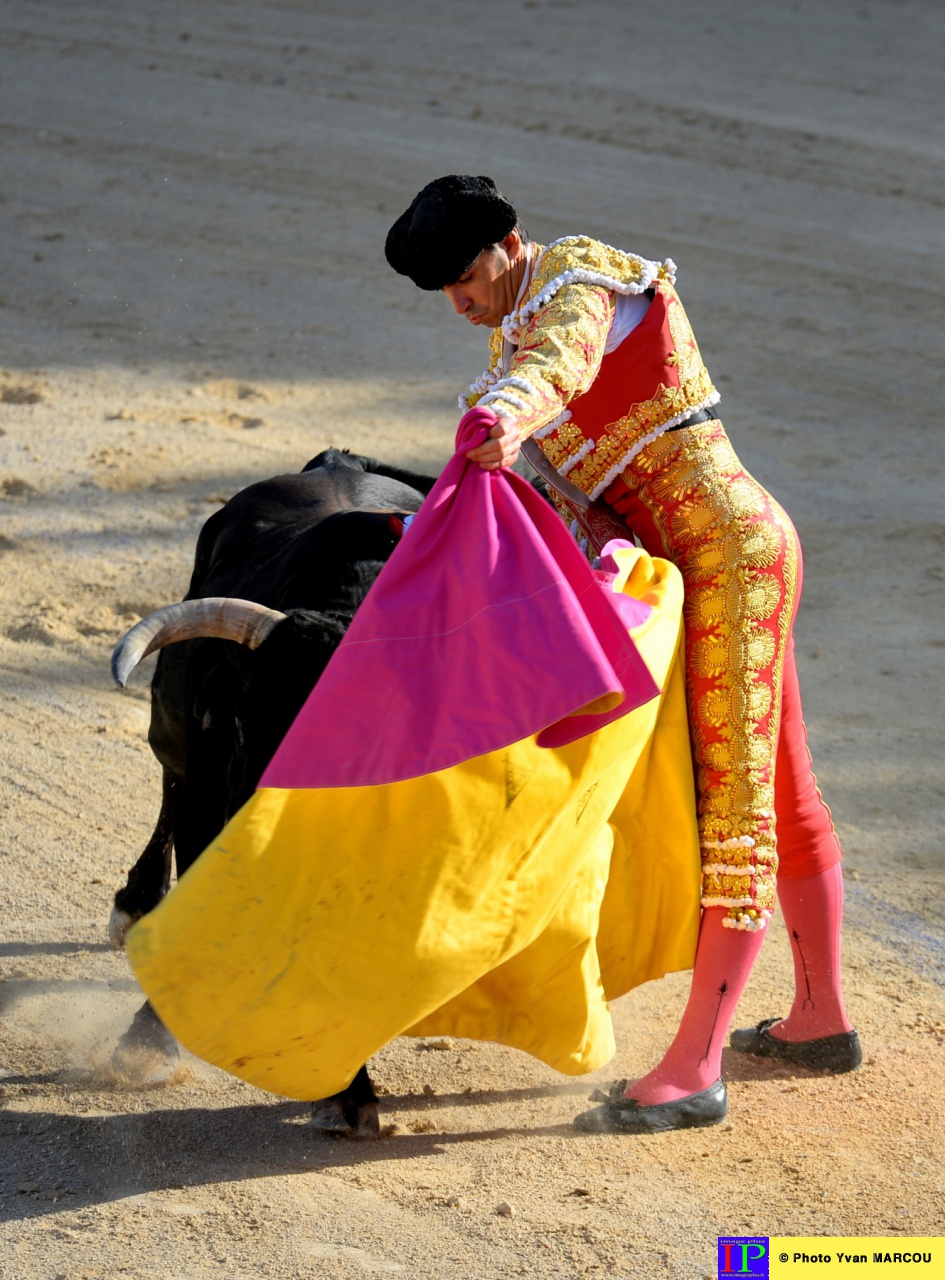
595	371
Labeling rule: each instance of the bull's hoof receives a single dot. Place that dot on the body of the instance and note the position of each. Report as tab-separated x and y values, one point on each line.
147	1048
368	1123
335	1116
119	922
328	1116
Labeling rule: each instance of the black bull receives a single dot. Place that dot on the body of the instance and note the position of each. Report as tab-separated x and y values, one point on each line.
307	547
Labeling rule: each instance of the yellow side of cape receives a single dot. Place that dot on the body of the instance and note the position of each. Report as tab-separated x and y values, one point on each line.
506	898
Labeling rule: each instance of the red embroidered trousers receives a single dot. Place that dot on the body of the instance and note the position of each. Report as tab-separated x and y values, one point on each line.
687	497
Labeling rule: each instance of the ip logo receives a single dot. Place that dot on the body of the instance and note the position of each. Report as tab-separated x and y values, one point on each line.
743	1257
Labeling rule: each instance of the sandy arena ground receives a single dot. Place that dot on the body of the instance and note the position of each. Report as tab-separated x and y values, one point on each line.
193	201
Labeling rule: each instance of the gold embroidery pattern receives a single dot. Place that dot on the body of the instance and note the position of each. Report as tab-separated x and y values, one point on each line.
496	345
688	361
738	554
561	444
560	352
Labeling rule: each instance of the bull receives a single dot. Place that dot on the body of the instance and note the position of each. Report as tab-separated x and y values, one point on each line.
279	571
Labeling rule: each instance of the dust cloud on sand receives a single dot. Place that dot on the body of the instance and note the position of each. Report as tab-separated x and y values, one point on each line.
193	201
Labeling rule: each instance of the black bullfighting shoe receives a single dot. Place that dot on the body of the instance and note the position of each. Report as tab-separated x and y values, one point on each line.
837	1053
625	1115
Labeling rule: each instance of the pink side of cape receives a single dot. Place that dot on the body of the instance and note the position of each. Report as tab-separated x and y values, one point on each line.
485	626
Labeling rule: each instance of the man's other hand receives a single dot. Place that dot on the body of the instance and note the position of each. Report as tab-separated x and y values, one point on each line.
499	449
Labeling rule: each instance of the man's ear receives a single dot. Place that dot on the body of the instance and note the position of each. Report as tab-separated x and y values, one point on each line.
512	243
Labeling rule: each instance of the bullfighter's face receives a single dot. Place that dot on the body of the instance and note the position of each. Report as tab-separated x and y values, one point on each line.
486	292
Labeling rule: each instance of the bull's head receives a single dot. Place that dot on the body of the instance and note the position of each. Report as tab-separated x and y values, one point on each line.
218	718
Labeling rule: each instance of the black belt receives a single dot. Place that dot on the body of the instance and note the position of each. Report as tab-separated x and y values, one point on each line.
703	415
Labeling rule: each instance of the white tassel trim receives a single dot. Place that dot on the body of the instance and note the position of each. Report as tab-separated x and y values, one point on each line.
649	271
582	453
728	902
749	924
733	868
520	384
515	401
553	425
488	378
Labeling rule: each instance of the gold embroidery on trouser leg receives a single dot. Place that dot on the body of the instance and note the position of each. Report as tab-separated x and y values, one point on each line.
737	551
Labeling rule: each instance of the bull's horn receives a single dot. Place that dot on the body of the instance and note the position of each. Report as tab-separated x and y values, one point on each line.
221	616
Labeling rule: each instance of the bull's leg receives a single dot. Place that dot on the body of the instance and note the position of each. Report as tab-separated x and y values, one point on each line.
351	1113
146	1035
148	881
150	878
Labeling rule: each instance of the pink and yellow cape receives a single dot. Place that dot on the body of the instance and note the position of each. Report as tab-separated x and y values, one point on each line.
481	823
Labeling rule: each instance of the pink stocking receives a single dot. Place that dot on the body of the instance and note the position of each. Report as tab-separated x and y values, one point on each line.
724	959
813	910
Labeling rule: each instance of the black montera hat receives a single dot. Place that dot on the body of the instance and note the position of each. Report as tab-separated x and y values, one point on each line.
446	227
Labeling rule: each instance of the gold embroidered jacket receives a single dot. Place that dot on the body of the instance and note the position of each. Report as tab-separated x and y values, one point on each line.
592	413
